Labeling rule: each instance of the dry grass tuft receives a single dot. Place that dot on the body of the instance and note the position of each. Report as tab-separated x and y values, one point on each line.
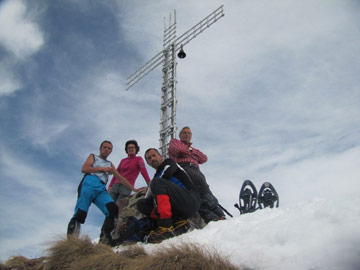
80	253
189	256
22	263
66	252
133	252
104	261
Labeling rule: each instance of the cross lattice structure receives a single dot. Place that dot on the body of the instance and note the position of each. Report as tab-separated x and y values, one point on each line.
167	57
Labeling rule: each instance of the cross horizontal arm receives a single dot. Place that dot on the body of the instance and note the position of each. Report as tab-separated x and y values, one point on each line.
169	39
144	70
200	27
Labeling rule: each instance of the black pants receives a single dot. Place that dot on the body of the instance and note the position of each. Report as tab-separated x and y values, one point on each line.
209	207
183	203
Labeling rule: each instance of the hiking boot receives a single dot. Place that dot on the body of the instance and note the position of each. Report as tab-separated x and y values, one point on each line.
106	238
108	233
209	218
219	218
160	234
73	227
196	221
181	226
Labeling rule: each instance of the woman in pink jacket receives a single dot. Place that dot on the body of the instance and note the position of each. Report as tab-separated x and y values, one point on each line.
129	168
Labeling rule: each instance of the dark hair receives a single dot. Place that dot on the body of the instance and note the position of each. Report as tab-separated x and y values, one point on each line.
134	143
157	151
105	142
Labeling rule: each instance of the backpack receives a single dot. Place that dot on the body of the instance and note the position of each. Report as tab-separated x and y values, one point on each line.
133	230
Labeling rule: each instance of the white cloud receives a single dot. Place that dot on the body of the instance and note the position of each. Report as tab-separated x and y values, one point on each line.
41	129
42	208
43	132
9	83
18	33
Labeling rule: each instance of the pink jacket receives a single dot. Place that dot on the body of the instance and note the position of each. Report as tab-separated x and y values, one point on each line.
130	168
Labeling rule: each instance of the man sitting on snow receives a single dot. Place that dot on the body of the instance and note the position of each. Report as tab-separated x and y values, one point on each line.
189	158
171	199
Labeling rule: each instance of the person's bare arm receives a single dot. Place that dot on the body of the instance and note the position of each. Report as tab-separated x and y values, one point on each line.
88	166
122	179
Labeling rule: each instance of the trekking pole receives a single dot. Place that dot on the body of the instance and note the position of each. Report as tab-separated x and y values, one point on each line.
226	211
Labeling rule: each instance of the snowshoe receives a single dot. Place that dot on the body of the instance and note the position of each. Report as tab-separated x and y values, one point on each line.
247	198
268	196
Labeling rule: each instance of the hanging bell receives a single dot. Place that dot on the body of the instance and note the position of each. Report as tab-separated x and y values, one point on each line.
181	53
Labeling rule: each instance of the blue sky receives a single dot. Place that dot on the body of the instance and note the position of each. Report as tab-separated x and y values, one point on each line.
271	92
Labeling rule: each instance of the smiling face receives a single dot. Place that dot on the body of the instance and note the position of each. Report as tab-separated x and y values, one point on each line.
131	149
153	158
185	135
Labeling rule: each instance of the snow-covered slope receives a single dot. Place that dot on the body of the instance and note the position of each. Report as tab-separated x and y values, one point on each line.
323	233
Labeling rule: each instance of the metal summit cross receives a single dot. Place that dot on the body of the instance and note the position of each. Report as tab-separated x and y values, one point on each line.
167	57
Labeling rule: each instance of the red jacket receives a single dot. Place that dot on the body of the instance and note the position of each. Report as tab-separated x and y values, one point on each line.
181	152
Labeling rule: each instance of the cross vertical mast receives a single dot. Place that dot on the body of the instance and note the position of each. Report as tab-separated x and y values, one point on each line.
167	57
168	89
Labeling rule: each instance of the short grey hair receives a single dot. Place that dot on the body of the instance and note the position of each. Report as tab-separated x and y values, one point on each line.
186	127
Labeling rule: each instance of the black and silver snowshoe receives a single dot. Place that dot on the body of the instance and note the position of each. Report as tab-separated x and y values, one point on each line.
247	198
268	197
